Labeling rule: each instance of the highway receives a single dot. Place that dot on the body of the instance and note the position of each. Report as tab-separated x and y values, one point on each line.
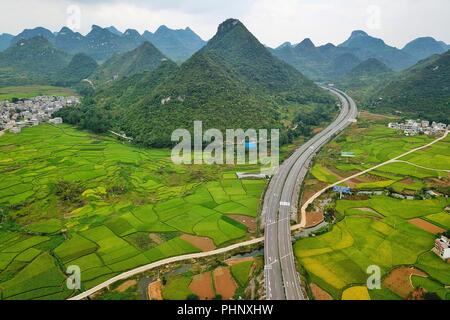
280	202
286	183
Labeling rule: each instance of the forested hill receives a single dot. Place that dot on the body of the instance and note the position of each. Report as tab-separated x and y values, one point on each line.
80	67
422	91
366	77
237	47
233	82
144	58
34	60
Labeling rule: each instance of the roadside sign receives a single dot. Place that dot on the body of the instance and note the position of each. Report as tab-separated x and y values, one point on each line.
339	189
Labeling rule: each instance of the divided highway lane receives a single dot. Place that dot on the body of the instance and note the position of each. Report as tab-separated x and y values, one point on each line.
281	278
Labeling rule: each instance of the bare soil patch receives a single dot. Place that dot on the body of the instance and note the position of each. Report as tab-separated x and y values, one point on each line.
407	181
311	187
399	280
365	209
202	286
250	223
314	218
445	182
342	174
203	243
155	290
371	178
126	285
373	116
156	238
425	225
232	262
319	293
224	283
317	130
417	294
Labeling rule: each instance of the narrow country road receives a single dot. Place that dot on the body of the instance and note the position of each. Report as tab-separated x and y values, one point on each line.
289	188
161	263
393	160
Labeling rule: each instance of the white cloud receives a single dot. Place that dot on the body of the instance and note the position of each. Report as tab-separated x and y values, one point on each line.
273	22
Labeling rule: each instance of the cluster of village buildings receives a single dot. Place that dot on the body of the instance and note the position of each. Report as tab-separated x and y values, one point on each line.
14	116
416	127
442	248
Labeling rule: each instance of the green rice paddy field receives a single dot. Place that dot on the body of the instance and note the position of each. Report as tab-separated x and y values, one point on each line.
340	258
23	92
72	198
377	145
377	231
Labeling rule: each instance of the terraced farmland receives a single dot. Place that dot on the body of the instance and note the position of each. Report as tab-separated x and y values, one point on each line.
23	92
339	259
379	229
379	144
72	198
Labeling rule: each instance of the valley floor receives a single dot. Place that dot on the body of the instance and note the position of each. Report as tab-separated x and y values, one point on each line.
375	226
25	92
72	198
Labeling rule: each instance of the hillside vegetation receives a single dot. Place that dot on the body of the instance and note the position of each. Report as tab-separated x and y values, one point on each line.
233	82
422	91
80	67
144	58
33	61
366	77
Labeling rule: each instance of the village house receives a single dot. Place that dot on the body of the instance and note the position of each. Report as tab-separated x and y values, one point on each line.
442	248
416	127
14	116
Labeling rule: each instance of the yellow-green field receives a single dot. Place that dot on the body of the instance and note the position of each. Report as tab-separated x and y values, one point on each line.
72	198
375	230
8	93
379	144
340	258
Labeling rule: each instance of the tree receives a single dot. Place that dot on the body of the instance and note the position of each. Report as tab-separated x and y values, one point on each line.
431	296
69	191
446	234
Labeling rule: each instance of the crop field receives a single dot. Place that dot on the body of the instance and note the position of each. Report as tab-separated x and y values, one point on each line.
377	230
241	272
223	281
24	92
340	258
431	286
377	144
70	198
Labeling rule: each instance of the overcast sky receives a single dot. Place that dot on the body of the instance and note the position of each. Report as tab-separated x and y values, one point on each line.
271	21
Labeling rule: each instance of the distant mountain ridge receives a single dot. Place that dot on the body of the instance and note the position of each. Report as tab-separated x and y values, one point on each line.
232	82
102	43
38	61
422	91
318	63
80	67
35	60
325	62
364	47
144	58
425	47
5	40
179	45
365	78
